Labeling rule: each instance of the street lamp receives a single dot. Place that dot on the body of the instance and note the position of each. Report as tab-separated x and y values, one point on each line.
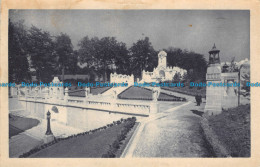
49	137
48	132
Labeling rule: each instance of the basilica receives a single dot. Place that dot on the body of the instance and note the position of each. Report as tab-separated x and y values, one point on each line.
162	72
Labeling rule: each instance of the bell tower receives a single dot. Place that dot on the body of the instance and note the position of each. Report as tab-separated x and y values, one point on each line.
162	56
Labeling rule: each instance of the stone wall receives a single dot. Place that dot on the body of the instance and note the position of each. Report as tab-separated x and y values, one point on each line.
119	78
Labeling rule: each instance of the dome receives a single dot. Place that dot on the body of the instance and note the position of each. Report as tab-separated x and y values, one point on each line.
162	54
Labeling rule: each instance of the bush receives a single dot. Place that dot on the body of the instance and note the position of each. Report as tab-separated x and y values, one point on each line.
115	145
129	123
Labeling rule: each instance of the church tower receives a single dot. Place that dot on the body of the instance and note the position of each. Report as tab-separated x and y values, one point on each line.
162	56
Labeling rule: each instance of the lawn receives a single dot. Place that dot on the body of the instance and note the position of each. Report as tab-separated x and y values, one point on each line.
81	92
83	146
233	129
19	124
141	93
192	91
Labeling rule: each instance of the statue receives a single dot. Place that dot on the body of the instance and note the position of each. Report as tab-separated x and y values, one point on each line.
156	93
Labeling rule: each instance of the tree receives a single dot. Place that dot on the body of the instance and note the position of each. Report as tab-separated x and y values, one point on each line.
194	63
102	55
142	56
17	52
64	53
177	77
41	52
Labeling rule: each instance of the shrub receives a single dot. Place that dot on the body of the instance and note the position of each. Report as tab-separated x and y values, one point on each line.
109	154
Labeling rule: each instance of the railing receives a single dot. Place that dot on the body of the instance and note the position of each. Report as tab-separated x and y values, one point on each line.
91	102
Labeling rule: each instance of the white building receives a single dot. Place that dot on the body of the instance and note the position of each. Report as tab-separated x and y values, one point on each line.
161	72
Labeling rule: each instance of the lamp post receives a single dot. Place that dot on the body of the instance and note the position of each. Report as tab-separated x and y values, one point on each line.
48	132
49	137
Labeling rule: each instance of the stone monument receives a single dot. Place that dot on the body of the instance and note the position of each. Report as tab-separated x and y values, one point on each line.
220	97
213	94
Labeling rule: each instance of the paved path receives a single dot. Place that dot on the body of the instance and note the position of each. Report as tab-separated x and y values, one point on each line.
173	132
33	137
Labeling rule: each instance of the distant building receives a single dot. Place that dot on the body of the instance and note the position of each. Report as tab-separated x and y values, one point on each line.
162	72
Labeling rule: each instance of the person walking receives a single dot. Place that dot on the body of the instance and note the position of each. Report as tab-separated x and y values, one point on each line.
197	99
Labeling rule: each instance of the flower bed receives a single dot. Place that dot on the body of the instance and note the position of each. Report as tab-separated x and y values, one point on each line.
93	143
187	90
114	147
141	93
79	92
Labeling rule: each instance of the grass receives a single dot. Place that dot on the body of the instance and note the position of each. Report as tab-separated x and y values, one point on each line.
20	124
233	129
141	93
192	91
92	145
76	91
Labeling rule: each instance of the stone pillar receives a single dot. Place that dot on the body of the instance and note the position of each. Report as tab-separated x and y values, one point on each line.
40	90
48	135
47	89
36	92
87	92
155	93
66	94
154	106
213	94
27	91
18	92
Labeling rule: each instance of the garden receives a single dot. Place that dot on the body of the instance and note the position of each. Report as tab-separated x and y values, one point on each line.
80	92
192	91
107	141
142	93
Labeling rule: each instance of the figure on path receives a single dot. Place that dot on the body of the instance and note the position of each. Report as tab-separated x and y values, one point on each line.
197	99
200	99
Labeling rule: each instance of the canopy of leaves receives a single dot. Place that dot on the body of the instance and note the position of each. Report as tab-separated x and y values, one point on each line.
194	63
18	62
41	51
103	54
142	56
48	55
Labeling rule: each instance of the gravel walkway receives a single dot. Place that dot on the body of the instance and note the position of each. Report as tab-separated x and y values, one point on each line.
174	132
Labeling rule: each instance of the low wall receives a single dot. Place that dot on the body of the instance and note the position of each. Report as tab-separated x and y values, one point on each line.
81	113
218	149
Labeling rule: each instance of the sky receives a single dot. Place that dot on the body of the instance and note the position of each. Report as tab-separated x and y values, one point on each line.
193	30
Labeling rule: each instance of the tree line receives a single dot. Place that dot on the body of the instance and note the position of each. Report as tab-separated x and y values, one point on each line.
34	48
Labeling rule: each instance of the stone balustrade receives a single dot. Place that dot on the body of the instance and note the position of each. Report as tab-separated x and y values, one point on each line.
91	102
